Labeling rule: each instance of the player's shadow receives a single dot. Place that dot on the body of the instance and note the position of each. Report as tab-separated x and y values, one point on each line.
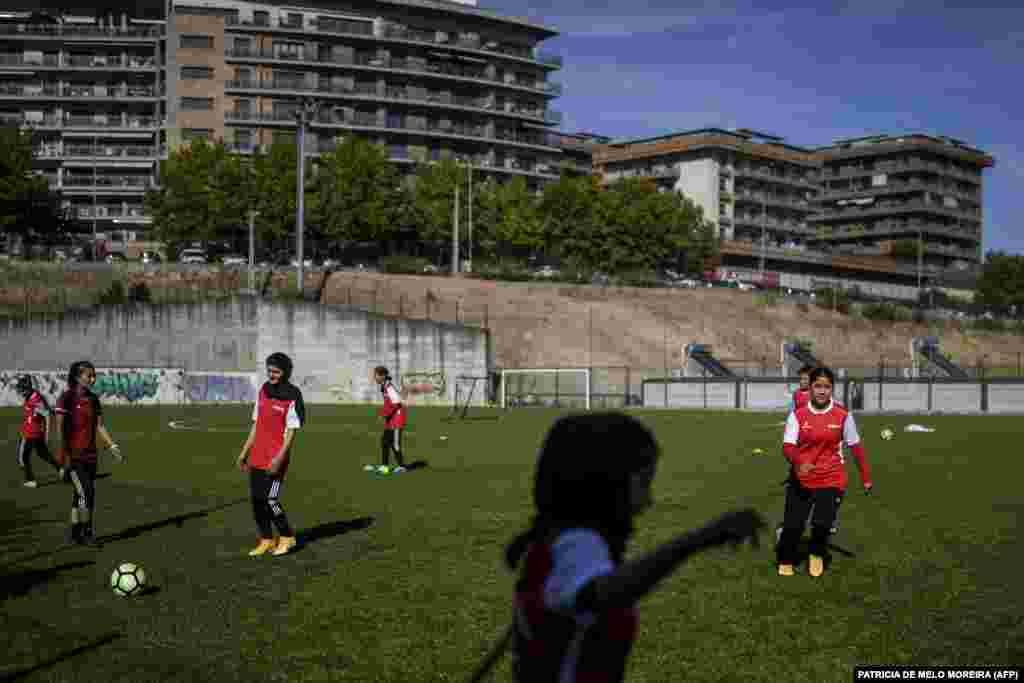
417	465
20	583
177	520
331	529
55	482
23	673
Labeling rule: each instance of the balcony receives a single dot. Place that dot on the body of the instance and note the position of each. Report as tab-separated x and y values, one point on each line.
371	121
397	94
775	200
102	151
109	182
52	90
440	69
110	211
803	180
79	31
890	207
898	187
901	167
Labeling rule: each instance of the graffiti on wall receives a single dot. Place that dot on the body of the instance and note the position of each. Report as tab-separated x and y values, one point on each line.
336	386
113	385
424	387
221	387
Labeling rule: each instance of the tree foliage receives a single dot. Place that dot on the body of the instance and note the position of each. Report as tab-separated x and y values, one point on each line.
356	194
204	194
28	207
1001	284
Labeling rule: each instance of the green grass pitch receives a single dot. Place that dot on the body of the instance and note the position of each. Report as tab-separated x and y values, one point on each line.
400	578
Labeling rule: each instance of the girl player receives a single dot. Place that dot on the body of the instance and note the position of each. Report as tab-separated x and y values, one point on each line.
815	434
575	603
393	413
80	421
35	429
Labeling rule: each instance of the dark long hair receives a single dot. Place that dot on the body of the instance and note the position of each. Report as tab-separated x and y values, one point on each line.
283	363
583	479
76	370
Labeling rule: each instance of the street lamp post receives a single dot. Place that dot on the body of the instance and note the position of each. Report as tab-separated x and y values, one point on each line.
469	210
764	230
252	250
455	233
306	111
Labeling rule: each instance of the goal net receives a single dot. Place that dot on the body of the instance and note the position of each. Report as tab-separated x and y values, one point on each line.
550	387
468	391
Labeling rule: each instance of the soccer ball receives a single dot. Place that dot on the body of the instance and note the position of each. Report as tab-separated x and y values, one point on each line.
758	451
128	579
887	434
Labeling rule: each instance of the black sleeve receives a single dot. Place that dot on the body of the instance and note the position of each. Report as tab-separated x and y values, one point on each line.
64	407
300	407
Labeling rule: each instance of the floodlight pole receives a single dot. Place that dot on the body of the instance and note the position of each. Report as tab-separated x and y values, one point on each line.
455	233
252	249
306	111
469	210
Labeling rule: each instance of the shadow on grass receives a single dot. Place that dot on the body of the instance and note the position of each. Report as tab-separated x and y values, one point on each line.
473	418
177	520
55	482
331	529
16	675
20	583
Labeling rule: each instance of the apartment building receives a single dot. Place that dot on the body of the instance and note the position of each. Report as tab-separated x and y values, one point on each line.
751	185
822	216
108	94
578	151
427	78
919	190
91	89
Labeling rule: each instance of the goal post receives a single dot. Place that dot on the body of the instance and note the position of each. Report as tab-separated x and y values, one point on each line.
466	389
554	387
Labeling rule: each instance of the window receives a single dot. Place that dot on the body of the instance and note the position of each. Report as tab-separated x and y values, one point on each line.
194	133
292	20
196	103
261	18
288	50
398	151
197	42
189	73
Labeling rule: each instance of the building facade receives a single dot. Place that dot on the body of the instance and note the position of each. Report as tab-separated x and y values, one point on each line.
920	191
108	95
91	88
895	210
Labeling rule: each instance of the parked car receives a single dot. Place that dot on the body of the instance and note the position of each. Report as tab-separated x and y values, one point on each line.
151	257
747	286
545	272
114	257
192	256
234	260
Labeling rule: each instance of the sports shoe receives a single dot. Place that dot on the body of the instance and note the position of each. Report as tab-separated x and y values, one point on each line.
30	484
89	538
284	545
266	545
398	470
786	570
815	566
383	469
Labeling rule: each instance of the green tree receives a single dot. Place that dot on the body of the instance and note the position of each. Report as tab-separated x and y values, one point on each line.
1001	284
433	196
568	207
28	208
356	193
518	221
204	195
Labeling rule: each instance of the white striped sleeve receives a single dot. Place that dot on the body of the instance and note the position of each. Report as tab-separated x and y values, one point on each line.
256	410
792	433
850	435
293	421
393	394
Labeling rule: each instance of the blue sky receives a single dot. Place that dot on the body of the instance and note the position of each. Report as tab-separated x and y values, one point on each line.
809	71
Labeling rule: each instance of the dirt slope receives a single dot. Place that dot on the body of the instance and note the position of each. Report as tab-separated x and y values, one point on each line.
539	325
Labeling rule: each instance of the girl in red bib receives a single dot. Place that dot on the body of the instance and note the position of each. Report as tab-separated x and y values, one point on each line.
575	601
813	444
